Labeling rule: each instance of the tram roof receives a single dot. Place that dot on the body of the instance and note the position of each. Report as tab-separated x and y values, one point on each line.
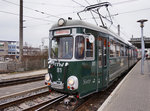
79	23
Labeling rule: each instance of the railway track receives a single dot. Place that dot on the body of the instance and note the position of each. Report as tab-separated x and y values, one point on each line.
50	103
44	101
25	103
22	80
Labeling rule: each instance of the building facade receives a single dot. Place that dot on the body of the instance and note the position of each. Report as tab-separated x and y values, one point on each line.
3	48
9	48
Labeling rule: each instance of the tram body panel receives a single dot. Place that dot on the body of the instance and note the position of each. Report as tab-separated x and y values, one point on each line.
81	59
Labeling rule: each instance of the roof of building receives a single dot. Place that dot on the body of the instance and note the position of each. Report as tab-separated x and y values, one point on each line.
7	41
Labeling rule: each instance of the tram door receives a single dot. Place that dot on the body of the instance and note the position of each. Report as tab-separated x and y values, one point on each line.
102	68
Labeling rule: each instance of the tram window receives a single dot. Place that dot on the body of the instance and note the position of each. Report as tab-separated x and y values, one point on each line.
118	50
100	52
122	50
105	52
89	48
61	47
126	51
80	47
112	49
130	54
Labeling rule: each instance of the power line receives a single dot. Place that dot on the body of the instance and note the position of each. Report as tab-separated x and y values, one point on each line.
26	16
41	12
87	2
78	3
42	3
133	11
127	1
28	26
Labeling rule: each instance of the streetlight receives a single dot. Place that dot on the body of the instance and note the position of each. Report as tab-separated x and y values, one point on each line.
142	43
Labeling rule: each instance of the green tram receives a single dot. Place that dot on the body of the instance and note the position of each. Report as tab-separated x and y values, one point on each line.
84	59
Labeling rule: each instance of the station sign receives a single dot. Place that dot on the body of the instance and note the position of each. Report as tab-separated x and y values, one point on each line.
62	32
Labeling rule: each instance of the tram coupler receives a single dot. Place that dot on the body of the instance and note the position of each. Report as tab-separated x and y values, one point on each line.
70	100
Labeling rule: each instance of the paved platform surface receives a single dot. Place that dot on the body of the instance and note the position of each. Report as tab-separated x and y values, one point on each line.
22	74
133	93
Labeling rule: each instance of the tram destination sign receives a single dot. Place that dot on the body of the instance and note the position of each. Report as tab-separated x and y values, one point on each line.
62	32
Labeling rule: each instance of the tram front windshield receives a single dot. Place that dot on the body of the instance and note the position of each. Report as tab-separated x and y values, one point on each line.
62	48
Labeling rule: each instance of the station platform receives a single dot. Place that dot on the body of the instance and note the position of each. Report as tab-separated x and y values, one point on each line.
132	93
11	76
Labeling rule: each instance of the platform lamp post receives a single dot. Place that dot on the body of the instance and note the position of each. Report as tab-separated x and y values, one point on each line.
142	44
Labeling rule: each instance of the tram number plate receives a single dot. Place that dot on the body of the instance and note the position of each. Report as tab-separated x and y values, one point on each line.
59	70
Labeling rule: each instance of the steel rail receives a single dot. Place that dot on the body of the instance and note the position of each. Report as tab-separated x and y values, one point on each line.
13	102
16	81
49	105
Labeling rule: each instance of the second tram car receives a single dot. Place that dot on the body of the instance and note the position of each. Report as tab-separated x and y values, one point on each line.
84	59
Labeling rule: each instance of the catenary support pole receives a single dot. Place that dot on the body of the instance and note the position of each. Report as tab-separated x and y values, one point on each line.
21	31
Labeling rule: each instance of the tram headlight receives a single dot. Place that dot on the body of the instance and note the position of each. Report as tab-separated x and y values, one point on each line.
61	22
47	77
72	83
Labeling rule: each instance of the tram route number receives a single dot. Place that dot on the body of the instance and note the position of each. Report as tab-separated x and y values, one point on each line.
59	70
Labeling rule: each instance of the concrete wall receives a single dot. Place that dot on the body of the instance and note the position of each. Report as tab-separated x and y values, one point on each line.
24	66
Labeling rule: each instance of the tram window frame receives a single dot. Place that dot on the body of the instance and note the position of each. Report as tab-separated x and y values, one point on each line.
100	40
112	49
118	50
130	54
86	48
126	51
89	47
122	50
61	47
105	44
78	46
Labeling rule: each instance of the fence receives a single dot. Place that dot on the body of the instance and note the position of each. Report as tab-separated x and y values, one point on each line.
28	63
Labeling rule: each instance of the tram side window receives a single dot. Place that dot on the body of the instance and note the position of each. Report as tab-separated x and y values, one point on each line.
122	50
133	53
112	49
100	52
80	47
126	51
118	50
130	54
89	49
105	52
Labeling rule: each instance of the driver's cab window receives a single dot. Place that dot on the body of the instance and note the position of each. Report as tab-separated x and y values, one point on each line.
80	47
84	48
89	49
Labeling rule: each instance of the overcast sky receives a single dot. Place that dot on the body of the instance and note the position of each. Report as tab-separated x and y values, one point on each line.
39	15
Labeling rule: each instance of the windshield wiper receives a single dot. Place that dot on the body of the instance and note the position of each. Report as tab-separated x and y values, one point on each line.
55	55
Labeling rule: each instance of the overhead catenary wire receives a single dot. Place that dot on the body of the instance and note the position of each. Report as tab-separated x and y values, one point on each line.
49	4
122	2
38	25
87	2
133	11
78	3
38	11
25	16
